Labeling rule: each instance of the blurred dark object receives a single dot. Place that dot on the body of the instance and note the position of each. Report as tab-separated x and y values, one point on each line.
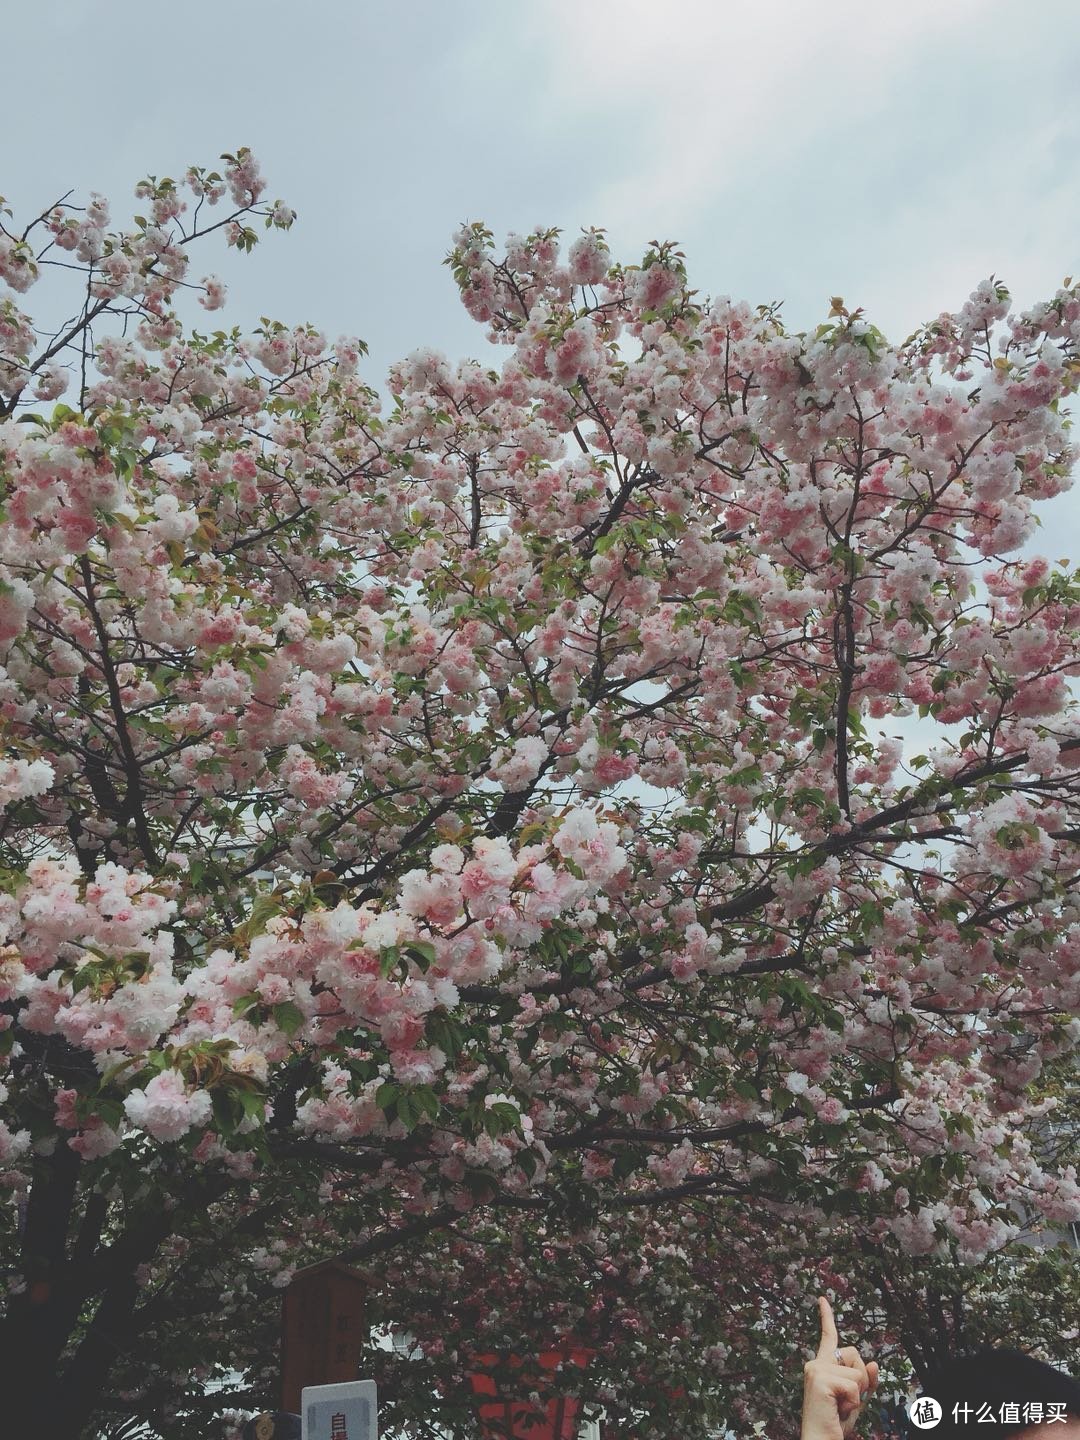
894	1420
995	1376
273	1425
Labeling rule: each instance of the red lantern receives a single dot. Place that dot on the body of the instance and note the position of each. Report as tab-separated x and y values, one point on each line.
505	1417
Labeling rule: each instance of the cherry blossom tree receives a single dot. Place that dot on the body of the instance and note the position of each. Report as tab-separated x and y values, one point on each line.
694	1312
496	804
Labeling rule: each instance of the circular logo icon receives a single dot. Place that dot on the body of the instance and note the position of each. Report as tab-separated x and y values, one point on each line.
924	1413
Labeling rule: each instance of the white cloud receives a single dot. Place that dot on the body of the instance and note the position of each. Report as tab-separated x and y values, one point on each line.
708	93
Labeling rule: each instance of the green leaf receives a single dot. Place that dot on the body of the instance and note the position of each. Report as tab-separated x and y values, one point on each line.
253	1103
111	1111
288	1017
227	1110
422	952
388	960
84	977
263	910
427	1102
407	1111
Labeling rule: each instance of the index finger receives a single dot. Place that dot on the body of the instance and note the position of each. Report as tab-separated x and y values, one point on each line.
830	1340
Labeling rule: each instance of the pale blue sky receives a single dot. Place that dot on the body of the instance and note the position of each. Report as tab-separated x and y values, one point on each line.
894	154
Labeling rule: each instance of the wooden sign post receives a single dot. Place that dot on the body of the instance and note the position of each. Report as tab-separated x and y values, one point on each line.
323	1332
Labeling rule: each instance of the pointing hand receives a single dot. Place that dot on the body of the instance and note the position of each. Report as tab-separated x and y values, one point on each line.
835	1384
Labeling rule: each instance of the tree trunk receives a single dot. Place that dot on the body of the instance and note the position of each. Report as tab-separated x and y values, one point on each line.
45	1388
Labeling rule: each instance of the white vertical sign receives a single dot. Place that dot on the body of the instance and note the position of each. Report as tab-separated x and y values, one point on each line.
339	1412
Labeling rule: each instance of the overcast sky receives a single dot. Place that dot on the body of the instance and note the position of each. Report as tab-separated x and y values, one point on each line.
892	154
